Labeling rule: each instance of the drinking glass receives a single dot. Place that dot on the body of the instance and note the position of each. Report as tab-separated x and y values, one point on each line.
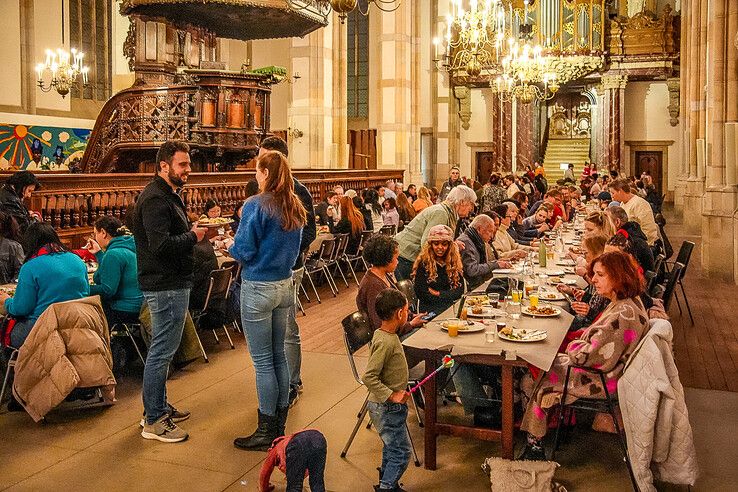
533	297
513	310
494	300
453	327
517	295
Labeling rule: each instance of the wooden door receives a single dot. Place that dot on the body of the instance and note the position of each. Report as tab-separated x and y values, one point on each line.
650	161
486	165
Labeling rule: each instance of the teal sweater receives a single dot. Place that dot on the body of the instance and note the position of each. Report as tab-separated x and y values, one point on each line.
45	280
116	279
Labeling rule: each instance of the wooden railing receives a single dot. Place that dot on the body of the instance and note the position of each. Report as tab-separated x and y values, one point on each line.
72	203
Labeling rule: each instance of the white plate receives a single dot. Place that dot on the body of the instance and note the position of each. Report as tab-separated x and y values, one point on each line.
556	272
536	315
487	312
504	270
555	296
473	328
536	338
566	262
573	242
568	281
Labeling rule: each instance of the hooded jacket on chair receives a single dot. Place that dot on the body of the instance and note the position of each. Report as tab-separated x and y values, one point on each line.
68	348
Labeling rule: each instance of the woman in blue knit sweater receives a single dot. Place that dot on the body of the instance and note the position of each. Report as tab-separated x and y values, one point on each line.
267	244
50	274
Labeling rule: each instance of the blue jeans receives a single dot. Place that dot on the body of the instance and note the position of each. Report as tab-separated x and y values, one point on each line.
265	307
468	382
168	312
389	420
292	337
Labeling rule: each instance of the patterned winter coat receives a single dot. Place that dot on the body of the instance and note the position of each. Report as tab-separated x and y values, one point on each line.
606	345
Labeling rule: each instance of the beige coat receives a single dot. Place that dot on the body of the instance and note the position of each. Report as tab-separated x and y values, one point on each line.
68	348
660	444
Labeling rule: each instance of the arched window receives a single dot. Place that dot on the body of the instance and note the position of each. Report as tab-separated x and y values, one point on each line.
358	62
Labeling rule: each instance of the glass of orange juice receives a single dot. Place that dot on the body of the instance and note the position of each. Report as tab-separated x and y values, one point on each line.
453	327
517	295
533	298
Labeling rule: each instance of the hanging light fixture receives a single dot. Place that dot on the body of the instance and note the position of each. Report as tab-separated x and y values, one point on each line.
64	67
344	7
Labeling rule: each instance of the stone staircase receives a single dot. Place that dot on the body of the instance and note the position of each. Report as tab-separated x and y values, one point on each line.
565	150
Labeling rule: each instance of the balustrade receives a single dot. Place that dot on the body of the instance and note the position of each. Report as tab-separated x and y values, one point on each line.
71	203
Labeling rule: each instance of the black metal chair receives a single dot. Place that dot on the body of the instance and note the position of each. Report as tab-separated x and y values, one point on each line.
683	257
671	284
217	296
659	268
351	257
11	356
342	241
125	328
235	279
593	405
358	333
318	264
388	230
408	289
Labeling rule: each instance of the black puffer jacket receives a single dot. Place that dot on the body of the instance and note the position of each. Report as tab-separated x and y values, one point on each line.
164	242
11	204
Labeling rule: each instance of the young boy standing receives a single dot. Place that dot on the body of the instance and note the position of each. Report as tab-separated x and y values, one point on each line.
386	379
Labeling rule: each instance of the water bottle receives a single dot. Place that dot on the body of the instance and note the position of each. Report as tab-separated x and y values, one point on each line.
541	253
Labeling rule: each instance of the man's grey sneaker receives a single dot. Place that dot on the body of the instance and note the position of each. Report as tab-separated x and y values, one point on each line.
174	414
164	430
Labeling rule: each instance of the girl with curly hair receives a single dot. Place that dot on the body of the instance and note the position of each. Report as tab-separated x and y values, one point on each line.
438	272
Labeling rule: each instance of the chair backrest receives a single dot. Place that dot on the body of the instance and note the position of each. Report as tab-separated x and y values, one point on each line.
220	282
671	283
650	279
360	247
326	249
667	247
235	268
685	253
342	241
407	287
388	230
657	292
357	333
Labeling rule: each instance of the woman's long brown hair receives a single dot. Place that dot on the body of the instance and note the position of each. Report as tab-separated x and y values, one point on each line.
452	260
279	190
404	205
353	215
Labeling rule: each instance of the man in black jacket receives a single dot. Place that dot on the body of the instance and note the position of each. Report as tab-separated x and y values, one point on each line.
164	249
18	187
641	250
292	336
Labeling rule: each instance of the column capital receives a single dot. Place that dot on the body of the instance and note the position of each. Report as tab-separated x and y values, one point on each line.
614	81
462	93
673	84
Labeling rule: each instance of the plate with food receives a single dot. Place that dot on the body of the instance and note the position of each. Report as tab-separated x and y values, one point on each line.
551	295
556	272
483	312
466	326
542	311
213	221
573	242
477	300
522	335
8	290
565	262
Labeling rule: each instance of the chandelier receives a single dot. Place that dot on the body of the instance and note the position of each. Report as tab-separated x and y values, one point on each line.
344	7
527	48
64	67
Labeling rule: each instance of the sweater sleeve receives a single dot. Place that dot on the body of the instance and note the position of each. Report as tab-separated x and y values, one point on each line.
373	372
421	286
267	468
157	224
108	276
246	243
23	303
588	351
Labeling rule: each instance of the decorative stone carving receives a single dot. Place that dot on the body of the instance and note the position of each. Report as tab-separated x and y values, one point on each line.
673	85
463	94
614	81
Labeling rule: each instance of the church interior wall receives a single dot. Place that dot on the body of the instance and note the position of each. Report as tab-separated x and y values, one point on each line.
647	119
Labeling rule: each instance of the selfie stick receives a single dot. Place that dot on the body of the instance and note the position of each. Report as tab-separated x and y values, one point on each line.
447	363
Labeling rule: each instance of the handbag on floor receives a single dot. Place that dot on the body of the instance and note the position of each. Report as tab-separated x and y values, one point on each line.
521	475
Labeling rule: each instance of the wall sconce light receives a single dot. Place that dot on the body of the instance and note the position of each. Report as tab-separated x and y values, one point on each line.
295	133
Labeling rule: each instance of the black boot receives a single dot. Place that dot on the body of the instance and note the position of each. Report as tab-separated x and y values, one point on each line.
262	438
281	421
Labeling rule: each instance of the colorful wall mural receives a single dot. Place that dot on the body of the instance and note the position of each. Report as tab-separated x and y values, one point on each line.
40	147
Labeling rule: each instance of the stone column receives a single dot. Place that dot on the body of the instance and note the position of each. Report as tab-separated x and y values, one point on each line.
398	128
525	147
318	108
443	103
613	113
680	187
502	134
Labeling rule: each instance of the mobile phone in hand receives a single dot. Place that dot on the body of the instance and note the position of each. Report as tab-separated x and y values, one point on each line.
569	297
429	316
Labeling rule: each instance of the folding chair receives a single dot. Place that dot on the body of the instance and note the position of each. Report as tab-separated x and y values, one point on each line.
408	290
220	281
388	230
351	257
319	263
671	284
235	279
11	359
125	329
342	241
683	257
358	333
593	405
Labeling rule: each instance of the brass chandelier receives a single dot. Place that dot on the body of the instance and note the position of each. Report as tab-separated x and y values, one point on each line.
527	48
344	7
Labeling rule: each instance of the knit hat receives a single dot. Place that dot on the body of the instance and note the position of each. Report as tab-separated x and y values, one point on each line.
440	233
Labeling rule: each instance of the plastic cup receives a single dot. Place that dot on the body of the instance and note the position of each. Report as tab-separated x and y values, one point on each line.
490	335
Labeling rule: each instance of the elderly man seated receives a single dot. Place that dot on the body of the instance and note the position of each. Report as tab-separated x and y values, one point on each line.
505	245
478	266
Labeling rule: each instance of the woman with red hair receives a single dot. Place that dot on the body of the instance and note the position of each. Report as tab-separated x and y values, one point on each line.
606	345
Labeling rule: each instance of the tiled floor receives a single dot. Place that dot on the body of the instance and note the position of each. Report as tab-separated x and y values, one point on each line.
102	449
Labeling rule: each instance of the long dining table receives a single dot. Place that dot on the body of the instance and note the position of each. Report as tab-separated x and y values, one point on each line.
431	343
